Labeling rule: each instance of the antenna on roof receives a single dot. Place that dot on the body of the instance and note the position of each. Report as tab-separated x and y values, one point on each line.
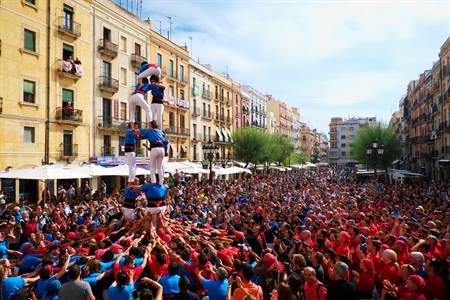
190	49
160	27
169	33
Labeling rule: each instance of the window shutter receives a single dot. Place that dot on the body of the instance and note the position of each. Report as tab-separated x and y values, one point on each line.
29	40
68	47
67	96
28	87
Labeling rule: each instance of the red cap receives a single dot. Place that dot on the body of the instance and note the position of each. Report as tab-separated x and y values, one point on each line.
71	235
116	248
166	238
84	251
99	236
418	281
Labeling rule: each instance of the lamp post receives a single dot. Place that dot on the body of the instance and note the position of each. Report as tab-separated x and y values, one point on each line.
375	149
209	150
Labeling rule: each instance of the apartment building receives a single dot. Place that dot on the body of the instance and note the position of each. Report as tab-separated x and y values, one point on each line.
258	106
294	114
342	134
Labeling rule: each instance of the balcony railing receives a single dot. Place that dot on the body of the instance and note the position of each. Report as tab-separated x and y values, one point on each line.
108	84
67	115
112	124
107	48
183	80
136	60
69	28
68	69
177	131
196	137
108	151
206	94
68	150
208	115
196	111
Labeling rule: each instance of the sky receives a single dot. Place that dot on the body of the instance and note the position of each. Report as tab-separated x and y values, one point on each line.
329	58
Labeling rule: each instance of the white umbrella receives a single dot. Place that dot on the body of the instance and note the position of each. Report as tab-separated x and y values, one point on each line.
93	170
195	170
46	172
122	170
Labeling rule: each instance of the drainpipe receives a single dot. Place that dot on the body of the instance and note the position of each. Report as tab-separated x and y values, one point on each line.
47	108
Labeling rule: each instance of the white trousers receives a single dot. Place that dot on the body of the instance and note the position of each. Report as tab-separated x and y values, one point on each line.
131	162
158	112
156	158
138	99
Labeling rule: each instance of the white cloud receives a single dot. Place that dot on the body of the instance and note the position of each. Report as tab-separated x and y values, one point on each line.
276	45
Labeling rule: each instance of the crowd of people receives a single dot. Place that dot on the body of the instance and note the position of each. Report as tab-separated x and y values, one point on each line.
297	235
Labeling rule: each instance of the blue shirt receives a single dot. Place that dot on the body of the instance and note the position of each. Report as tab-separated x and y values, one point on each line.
170	284
105	266
130	194
157	90
130	137
152	135
11	285
3	249
92	279
114	293
41	286
217	289
144	88
154	191
29	262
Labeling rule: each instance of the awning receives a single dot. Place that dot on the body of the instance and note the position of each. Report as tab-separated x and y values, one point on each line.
230	138
225	135
219	135
444	161
184	148
174	150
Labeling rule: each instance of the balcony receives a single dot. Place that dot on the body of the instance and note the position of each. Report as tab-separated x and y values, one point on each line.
136	60
183	80
108	85
196	111
68	151
107	48
183	104
196	137
180	131
171	75
206	94
208	115
111	124
69	116
68	28
66	69
108	151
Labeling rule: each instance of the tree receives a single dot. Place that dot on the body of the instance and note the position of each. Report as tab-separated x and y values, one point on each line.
250	145
385	136
297	158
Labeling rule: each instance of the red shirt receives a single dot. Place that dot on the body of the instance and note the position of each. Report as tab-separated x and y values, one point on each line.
311	291
30	227
366	282
137	271
157	269
413	296
388	272
434	288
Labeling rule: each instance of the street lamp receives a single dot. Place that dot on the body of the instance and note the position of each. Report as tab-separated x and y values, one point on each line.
375	149
209	149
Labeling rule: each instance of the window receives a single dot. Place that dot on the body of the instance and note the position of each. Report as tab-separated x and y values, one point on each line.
28	135
159	60
181	94
171	70
29	40
123	44
123	110
106	34
343	137
181	72
204	133
228	96
67	97
137	49
209	133
106	72
171	119
123	76
182	124
68	17
195	105
209	110
29	91
194	128
195	152
343	153
193	82
68	143
32	2
121	146
67	51
204	109
217	92
171	90
343	145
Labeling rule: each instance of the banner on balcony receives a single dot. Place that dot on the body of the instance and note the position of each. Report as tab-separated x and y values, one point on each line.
169	99
183	103
110	161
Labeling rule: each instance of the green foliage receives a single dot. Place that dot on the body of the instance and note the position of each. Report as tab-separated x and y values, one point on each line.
297	158
255	146
385	136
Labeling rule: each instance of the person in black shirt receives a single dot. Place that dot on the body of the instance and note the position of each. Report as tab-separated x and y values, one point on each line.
184	293
340	288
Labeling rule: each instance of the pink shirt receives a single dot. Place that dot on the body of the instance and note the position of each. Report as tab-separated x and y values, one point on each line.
311	291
